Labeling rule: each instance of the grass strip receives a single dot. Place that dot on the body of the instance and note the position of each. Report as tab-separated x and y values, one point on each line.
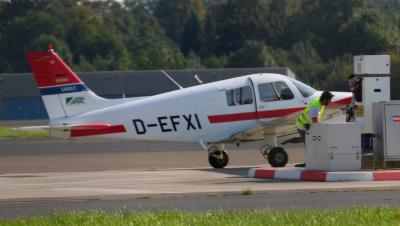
6	132
349	216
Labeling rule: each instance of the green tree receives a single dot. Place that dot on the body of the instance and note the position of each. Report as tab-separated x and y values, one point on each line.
315	38
192	35
149	47
24	21
252	54
304	53
371	33
325	20
279	12
146	5
335	73
41	43
91	37
237	22
173	16
215	62
209	37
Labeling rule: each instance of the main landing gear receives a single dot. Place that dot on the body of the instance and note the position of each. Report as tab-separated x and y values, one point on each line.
218	156
276	156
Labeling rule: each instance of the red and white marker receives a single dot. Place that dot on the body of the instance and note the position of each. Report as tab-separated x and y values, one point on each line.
323	176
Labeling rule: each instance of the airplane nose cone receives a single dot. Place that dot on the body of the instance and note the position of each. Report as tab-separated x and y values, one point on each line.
342	98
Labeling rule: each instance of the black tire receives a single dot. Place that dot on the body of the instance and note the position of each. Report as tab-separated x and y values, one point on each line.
277	157
218	163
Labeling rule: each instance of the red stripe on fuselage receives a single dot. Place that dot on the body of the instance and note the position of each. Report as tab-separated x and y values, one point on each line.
252	115
344	101
265	114
91	126
278	112
79	132
232	117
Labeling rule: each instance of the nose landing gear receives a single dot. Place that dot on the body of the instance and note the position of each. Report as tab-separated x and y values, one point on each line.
276	156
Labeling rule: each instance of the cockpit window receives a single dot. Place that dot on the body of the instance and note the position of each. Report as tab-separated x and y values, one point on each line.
284	91
230	97
305	90
267	92
239	96
274	91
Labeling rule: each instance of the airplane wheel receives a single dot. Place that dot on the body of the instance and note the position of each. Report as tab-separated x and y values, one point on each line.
277	157
264	150
218	159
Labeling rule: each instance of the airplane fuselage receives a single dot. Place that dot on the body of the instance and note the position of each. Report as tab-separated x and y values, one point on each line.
197	113
245	108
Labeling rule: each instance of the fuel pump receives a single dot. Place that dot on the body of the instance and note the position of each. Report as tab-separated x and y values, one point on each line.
373	85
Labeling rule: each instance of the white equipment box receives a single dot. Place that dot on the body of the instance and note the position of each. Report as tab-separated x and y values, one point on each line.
386	127
372	65
333	147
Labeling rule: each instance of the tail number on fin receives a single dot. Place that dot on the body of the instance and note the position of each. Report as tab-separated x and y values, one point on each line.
169	123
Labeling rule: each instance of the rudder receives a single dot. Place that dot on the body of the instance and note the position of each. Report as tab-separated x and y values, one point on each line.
63	92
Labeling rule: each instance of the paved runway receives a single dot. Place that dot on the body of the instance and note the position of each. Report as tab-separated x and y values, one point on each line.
41	156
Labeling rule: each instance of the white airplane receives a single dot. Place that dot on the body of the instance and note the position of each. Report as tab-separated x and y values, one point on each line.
246	108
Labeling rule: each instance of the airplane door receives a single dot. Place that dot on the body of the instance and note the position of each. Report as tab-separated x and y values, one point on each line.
274	98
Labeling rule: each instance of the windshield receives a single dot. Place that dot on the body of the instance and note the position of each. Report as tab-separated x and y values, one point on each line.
304	89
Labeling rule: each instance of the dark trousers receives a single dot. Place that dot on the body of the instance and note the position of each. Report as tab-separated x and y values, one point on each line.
302	135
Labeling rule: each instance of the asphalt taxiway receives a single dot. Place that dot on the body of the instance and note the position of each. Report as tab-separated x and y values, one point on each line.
50	155
43	176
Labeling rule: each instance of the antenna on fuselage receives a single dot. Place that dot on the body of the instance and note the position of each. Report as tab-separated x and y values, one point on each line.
122	87
170	78
198	79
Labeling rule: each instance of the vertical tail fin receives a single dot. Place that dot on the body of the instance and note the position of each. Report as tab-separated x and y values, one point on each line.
63	92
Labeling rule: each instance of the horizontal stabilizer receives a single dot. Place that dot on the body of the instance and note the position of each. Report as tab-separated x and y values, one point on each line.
64	127
76	130
31	128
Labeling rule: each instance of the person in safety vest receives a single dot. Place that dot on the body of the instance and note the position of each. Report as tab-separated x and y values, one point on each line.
313	113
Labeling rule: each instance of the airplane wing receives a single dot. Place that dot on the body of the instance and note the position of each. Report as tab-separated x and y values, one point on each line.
280	127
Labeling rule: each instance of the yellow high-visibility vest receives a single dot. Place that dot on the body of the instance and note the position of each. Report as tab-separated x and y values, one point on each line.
305	119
